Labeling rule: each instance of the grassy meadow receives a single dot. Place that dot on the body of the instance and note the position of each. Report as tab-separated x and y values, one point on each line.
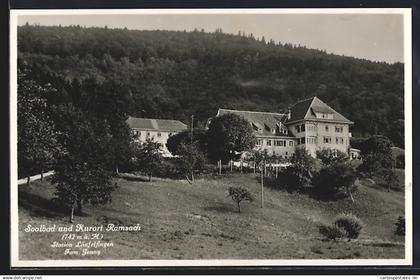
199	221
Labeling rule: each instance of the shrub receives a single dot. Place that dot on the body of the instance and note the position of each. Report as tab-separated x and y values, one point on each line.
400	226
350	223
333	178
299	174
329	156
331	232
239	194
389	178
400	161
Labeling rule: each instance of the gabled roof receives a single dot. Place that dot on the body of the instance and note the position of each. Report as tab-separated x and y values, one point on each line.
156	124
263	120
306	109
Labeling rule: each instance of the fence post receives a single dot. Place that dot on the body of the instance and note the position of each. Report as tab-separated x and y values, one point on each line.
262	187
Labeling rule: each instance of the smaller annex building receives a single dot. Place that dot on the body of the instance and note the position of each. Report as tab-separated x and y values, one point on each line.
158	130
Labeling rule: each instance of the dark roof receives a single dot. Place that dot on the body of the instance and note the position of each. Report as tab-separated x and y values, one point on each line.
264	120
298	111
156	124
306	109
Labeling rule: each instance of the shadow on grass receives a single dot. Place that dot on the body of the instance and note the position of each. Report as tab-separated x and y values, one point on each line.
275	184
325	197
130	177
40	206
221	208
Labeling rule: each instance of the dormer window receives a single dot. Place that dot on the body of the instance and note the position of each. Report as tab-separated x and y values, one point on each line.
324	116
257	128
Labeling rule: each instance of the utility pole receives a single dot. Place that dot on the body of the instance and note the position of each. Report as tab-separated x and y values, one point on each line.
192	128
192	136
262	182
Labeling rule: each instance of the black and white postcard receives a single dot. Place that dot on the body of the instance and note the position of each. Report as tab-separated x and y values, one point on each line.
221	137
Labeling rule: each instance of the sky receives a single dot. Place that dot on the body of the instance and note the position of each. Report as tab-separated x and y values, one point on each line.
377	37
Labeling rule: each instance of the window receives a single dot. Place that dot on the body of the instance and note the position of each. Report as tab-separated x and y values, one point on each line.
310	128
327	128
268	142
311	140
290	143
297	128
303	127
259	142
148	134
280	143
286	153
324	115
339	140
327	140
159	134
339	129
136	133
302	140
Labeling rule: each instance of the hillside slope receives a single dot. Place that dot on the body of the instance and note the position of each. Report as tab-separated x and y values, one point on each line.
183	221
172	74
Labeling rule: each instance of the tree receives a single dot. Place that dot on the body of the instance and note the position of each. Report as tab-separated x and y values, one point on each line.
191	158
108	100
299	174
83	170
333	178
240	194
37	140
149	157
390	177
329	156
400	161
176	140
376	92
228	136
376	154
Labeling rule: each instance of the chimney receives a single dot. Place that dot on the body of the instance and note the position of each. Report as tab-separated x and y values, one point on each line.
289	114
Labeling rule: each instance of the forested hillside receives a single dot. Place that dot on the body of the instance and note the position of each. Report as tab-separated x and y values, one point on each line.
168	74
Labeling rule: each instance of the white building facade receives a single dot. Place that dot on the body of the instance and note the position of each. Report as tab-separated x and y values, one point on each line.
310	123
157	130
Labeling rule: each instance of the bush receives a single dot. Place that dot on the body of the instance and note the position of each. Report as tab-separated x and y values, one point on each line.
333	178
345	225
331	232
298	176
239	194
351	224
400	161
329	156
400	226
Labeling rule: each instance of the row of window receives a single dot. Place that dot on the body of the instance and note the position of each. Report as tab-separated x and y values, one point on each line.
278	129
302	128
338	140
275	143
138	134
313	140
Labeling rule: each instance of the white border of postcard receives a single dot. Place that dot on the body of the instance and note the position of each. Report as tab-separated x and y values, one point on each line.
14	233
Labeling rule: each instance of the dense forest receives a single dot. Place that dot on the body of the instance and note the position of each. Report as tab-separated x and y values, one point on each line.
174	74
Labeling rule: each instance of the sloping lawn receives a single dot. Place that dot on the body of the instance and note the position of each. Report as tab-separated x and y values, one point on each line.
199	221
